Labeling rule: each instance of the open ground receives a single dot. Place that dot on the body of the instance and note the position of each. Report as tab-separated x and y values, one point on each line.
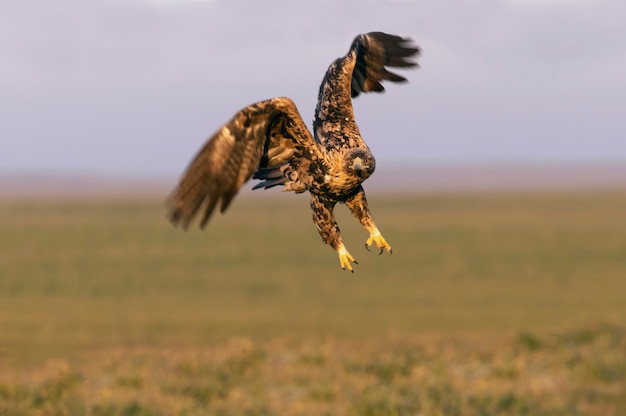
492	303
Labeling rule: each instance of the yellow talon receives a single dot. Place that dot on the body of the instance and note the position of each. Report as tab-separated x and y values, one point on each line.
345	258
381	243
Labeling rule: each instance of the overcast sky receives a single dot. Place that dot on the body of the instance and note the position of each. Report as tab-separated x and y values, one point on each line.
135	87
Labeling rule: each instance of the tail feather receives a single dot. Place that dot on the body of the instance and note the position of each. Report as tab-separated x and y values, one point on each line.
270	177
270	183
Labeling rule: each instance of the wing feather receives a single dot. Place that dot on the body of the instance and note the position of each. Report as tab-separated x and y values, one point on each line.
264	135
374	52
362	69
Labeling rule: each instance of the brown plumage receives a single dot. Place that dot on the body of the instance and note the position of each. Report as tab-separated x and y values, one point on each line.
269	141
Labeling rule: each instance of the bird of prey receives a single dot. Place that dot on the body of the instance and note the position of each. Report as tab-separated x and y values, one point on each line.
270	142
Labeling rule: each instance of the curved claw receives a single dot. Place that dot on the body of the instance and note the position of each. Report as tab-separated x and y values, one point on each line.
380	242
345	259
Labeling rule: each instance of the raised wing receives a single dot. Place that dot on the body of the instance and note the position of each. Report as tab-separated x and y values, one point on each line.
375	51
262	136
362	69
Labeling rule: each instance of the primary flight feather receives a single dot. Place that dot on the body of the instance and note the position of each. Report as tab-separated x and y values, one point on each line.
270	142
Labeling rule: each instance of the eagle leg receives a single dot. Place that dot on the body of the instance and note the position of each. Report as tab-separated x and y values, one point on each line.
357	204
324	219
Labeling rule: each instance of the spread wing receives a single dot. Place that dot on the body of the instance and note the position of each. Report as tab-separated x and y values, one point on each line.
374	51
362	69
262	136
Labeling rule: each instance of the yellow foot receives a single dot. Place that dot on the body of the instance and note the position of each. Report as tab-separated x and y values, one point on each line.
345	258
381	244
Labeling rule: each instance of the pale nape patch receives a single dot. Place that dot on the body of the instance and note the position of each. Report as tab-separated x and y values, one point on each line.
228	136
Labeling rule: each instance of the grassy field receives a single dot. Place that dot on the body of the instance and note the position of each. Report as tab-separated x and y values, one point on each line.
492	303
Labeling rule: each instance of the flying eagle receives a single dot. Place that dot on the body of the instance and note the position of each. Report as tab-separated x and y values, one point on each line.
270	142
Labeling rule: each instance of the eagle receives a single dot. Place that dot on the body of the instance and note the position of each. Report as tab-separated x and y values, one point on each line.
268	141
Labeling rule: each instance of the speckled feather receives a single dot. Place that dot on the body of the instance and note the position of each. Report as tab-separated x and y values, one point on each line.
262	136
269	141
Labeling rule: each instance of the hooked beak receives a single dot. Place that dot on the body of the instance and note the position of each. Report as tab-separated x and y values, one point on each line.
358	165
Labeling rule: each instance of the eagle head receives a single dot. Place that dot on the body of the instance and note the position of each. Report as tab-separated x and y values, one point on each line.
360	163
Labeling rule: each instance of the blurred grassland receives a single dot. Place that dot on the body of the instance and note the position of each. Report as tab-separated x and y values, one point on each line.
492	303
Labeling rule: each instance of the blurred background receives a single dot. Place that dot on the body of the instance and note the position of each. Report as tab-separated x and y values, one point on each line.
500	185
131	89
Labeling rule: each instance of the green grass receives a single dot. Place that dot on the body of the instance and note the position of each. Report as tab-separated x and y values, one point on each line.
492	303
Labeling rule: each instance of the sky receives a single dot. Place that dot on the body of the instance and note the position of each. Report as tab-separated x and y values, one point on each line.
135	87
